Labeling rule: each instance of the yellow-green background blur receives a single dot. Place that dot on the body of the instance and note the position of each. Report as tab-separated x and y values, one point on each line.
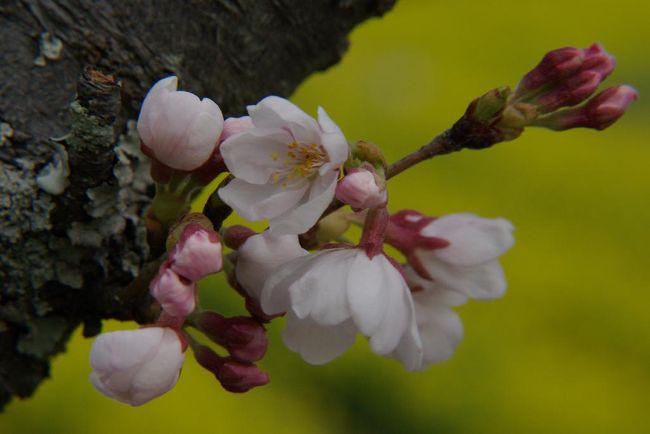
567	350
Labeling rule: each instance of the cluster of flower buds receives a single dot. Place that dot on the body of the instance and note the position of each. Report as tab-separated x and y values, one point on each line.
138	365
556	94
292	170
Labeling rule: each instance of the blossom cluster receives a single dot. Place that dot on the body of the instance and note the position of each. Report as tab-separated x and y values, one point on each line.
292	171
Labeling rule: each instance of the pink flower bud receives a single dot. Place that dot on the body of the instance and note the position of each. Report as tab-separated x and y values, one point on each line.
136	366
176	295
608	106
243	337
361	189
234	126
234	376
197	253
565	77
555	65
177	128
598	113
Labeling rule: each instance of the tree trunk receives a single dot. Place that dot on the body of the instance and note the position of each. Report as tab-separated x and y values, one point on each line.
73	184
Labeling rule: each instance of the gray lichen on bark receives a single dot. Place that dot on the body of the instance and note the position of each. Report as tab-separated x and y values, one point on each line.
72	76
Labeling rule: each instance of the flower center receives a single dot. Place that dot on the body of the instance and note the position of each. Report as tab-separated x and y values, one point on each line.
301	161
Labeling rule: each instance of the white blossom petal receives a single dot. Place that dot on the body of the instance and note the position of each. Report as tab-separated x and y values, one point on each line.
325	301
483	281
472	239
318	344
276	112
255	154
300	219
440	328
260	257
259	202
333	141
378	298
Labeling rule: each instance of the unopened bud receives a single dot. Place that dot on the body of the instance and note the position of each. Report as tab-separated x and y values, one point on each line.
176	295
197	253
555	65
571	92
234	126
488	107
177	128
565	77
234	376
366	152
598	113
243	337
361	189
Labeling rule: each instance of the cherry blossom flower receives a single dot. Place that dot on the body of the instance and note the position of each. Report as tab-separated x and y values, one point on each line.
285	167
136	366
331	295
176	128
361	189
458	251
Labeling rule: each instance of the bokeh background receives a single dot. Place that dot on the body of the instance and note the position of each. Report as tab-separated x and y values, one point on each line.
567	350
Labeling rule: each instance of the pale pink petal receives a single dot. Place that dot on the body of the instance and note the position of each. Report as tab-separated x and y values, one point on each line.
161	373
300	219
260	202
275	297
440	328
234	126
473	239
151	107
201	138
409	350
170	129
276	112
436	291
255	154
133	345
333	141
261	255
318	344
398	314
379	301
483	281
324	300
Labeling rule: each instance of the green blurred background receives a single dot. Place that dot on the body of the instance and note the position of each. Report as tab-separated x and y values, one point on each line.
567	350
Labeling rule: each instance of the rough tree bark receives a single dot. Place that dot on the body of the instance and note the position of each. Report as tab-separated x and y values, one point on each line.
73	185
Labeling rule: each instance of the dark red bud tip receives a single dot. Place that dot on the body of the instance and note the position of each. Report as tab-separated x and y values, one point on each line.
555	65
240	377
572	91
600	61
598	113
235	236
608	106
207	358
243	337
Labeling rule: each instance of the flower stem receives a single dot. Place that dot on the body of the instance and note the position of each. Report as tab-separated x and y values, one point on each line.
440	145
